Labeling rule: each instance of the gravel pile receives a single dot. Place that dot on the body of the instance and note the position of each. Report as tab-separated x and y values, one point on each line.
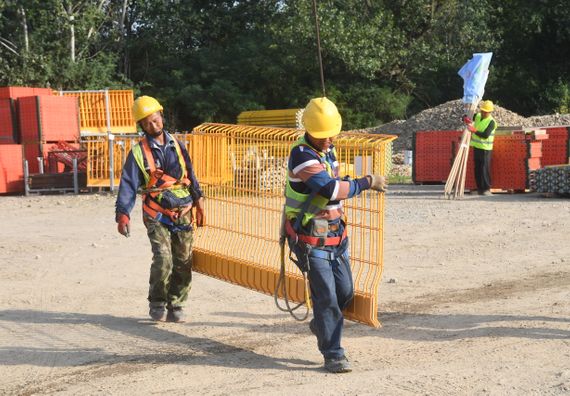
447	116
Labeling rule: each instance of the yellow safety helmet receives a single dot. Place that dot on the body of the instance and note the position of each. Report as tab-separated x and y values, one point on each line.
145	106
487	106
321	118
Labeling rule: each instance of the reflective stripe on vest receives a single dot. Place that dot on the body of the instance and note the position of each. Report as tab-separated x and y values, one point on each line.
481	125
294	200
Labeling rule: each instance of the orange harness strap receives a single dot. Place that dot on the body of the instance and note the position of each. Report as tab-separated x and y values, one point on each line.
150	206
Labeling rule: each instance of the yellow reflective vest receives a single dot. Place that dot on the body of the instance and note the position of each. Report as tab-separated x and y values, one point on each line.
481	125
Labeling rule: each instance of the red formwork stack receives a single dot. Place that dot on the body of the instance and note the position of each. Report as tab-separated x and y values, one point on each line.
433	155
11	171
8	126
556	150
514	155
45	121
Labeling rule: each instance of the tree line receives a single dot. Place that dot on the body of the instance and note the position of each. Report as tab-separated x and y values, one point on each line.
210	60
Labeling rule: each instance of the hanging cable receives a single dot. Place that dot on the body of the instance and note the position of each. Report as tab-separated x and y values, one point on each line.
319	47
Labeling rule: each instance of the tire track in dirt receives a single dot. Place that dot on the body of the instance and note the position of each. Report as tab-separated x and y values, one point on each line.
491	291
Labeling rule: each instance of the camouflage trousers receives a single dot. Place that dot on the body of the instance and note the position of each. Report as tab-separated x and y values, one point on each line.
171	269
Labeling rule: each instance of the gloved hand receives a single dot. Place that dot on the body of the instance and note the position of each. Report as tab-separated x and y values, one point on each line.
123	224
200	215
469	124
467	120
377	183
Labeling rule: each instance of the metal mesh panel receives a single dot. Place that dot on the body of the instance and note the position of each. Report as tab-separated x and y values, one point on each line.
240	244
242	170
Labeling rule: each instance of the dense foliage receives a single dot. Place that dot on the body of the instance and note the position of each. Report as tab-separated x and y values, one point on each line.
210	60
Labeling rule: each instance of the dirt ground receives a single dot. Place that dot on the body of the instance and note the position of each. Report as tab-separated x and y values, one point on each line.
475	299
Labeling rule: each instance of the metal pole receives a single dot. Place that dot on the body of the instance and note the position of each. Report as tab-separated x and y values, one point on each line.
26	178
111	139
75	177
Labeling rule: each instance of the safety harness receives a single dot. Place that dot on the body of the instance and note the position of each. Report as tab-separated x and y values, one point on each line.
157	182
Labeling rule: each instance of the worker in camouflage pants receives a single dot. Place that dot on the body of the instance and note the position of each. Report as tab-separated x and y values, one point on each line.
160	167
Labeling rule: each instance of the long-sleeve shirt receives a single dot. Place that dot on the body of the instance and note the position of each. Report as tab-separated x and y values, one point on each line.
307	174
166	158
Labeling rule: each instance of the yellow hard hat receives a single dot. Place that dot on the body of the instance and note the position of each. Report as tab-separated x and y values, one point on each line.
145	106
487	106
321	118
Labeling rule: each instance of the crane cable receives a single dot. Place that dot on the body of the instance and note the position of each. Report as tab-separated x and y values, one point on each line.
281	282
318	36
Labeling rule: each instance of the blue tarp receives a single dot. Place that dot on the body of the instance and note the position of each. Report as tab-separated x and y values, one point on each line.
474	74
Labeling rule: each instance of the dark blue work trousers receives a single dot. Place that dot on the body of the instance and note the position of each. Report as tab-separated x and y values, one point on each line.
330	279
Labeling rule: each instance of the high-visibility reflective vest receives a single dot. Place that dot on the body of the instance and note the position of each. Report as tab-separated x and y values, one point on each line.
481	125
295	201
157	181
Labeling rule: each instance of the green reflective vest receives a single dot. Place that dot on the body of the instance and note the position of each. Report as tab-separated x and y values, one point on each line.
295	201
481	125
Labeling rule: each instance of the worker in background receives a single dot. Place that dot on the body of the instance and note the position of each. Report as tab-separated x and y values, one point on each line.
315	226
483	129
160	168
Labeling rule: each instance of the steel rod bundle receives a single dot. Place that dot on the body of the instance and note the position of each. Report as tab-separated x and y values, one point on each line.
455	185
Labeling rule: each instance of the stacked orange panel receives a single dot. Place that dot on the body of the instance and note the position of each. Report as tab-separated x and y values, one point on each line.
7	122
44	121
18	92
11	170
433	155
555	150
513	157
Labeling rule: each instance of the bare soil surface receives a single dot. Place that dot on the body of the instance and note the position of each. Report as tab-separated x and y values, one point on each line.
475	299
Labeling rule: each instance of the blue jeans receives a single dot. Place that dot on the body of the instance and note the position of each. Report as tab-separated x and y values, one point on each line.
330	279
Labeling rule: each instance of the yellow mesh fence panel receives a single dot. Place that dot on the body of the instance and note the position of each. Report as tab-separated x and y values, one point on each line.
92	111
240	244
288	118
98	158
242	171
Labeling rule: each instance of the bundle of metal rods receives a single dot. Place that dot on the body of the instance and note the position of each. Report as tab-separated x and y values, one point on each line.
455	185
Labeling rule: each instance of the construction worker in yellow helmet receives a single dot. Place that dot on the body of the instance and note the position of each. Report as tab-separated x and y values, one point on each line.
482	130
315	227
159	166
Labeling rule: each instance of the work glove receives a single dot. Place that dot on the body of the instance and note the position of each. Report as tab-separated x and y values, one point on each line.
377	183
200	215
123	224
469	124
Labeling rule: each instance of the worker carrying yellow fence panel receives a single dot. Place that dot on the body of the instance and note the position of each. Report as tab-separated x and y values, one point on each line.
161	167
315	226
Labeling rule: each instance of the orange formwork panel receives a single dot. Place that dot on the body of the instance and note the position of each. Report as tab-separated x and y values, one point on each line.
48	119
93	111
240	242
8	128
11	169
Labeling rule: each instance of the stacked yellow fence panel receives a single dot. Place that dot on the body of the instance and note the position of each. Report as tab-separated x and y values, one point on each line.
98	158
93	113
286	118
240	243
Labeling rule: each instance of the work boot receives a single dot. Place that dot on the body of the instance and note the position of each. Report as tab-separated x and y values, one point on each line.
338	365
157	311
176	315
